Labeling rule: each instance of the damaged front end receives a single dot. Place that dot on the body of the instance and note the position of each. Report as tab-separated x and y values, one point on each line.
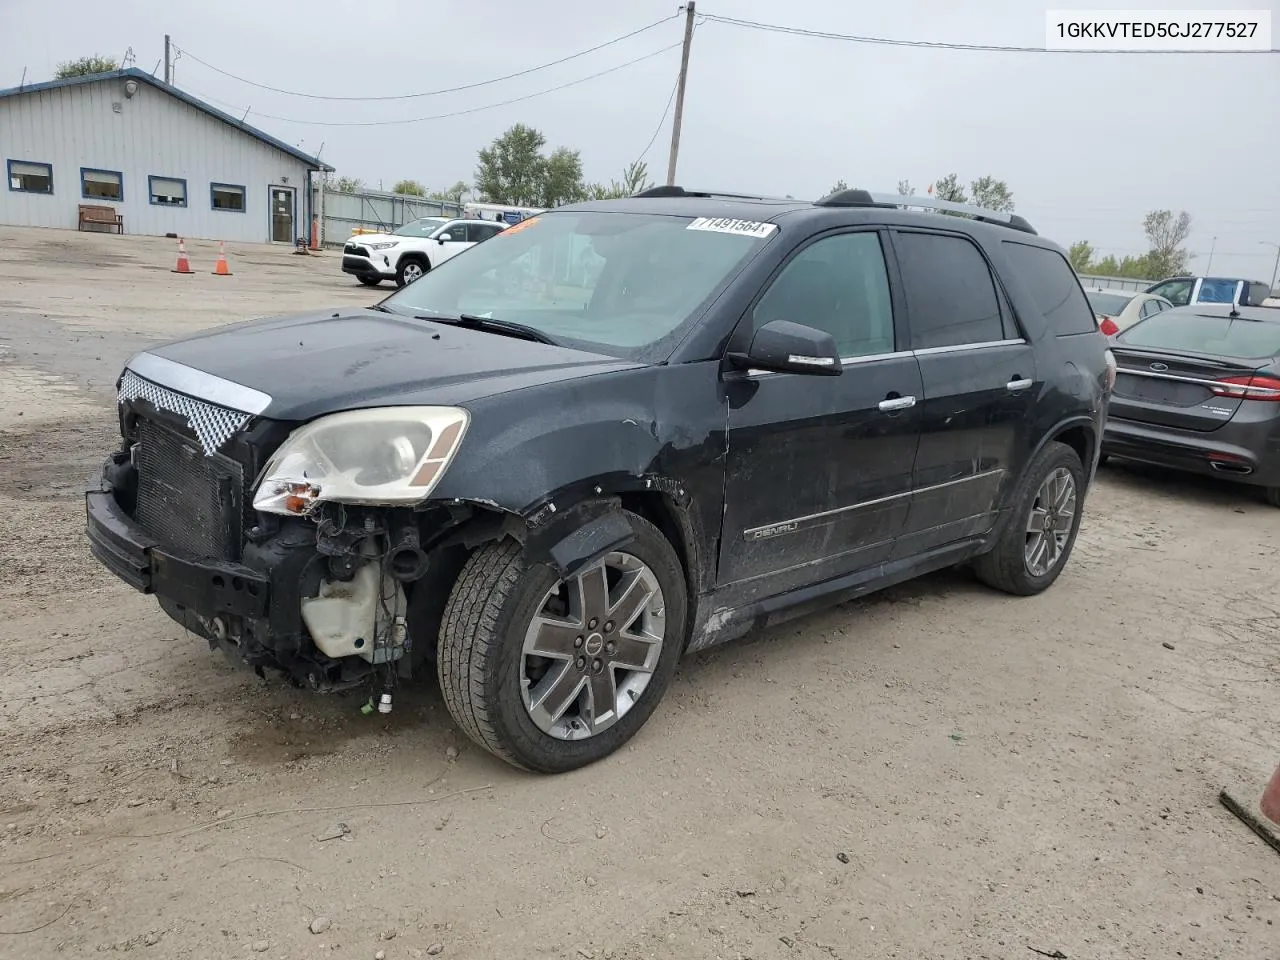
308	549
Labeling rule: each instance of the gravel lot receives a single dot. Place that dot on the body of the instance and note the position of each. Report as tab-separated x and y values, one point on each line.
935	772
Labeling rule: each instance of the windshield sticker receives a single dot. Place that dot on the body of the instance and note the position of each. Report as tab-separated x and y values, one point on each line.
517	227
743	228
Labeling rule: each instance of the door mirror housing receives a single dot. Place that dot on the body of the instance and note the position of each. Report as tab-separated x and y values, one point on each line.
443	237
785	347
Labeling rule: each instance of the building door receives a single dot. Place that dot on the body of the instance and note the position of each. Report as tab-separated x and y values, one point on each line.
282	214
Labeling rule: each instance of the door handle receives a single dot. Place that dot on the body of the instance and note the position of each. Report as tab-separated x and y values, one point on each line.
897	403
1020	384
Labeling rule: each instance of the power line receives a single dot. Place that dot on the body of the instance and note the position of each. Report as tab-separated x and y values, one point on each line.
932	44
455	113
670	99
436	93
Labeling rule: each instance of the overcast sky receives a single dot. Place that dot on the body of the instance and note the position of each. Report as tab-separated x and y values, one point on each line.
1087	143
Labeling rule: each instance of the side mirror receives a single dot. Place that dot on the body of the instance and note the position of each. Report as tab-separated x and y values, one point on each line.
786	347
443	237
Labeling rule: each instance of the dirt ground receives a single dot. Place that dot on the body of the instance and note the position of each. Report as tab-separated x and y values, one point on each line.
939	771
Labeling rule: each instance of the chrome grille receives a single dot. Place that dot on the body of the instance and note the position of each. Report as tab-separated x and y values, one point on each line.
213	425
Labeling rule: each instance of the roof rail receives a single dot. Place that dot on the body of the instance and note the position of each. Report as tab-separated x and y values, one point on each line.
864	198
674	191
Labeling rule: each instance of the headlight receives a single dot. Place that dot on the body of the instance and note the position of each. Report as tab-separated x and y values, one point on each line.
385	245
387	455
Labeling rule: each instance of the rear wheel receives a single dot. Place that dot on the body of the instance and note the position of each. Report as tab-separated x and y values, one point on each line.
1044	519
552	674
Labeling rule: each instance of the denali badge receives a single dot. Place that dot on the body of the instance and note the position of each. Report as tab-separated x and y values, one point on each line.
763	533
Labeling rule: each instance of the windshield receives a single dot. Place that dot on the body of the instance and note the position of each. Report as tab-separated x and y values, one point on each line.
1217	291
420	228
1108	304
624	284
1192	333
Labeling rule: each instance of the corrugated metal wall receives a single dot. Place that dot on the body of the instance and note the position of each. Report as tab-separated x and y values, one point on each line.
95	125
375	210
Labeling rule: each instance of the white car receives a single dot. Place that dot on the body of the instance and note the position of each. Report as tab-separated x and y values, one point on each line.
1116	310
407	253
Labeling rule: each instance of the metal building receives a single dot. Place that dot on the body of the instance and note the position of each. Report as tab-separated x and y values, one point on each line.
164	161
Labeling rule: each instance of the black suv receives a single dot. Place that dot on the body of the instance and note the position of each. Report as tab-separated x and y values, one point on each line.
618	432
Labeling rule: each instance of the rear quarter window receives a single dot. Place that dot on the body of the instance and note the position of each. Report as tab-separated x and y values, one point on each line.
1053	286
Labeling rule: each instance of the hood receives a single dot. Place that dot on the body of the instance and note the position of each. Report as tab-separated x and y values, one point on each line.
300	367
375	238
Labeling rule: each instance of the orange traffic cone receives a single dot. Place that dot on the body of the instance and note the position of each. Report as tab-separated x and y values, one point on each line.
1271	799
221	269
184	265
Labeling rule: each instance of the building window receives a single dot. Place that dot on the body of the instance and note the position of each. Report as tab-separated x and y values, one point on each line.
29	177
168	191
227	196
101	184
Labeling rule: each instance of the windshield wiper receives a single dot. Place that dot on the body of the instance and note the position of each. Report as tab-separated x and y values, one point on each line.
506	328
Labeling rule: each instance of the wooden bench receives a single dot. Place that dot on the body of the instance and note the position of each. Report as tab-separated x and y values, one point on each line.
92	213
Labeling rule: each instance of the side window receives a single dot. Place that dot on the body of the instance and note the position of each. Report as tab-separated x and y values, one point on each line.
1177	292
1148	308
951	297
1053	286
838	284
481	231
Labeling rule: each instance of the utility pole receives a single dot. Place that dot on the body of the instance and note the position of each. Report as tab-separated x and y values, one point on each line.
684	75
1208	268
168	62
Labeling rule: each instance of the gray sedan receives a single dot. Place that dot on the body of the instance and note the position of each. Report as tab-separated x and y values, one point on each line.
1198	389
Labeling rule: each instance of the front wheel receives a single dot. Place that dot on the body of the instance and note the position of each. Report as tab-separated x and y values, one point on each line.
549	674
1043	521
369	281
409	270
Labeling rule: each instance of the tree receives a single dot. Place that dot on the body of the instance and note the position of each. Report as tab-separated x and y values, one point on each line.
512	169
837	187
905	189
453	194
411	188
344	185
86	66
635	178
1166	233
949	188
992	194
562	179
1080	256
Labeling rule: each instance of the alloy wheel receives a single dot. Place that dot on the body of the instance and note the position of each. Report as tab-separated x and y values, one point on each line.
592	647
1053	516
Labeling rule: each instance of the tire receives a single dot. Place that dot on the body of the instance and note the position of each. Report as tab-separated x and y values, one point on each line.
1007	565
483	657
410	269
369	281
